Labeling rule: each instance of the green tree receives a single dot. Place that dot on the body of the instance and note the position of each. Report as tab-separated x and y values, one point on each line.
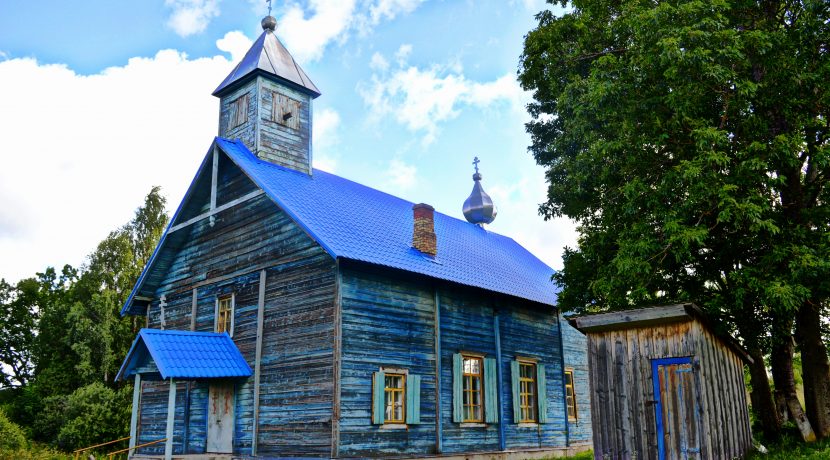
18	316
689	140
76	335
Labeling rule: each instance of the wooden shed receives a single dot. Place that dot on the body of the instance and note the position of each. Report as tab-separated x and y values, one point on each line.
664	385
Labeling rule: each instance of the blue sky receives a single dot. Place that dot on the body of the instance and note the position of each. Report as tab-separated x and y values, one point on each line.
103	99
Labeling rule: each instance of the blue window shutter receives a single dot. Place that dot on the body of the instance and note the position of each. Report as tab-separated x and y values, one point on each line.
457	393
514	380
378	396
491	392
543	394
413	399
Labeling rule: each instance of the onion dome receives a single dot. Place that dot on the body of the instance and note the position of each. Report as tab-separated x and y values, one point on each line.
479	208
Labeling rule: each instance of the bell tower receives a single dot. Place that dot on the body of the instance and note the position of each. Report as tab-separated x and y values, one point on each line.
266	102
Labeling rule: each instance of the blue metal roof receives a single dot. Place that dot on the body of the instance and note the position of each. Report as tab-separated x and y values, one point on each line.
353	221
184	354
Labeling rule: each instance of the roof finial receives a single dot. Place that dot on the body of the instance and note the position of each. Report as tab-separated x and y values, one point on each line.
269	22
479	208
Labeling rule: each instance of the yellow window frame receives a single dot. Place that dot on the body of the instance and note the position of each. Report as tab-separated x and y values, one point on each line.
468	389
224	314
389	394
528	393
570	395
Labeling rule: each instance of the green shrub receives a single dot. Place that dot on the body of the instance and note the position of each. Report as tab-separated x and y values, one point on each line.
94	414
34	452
11	435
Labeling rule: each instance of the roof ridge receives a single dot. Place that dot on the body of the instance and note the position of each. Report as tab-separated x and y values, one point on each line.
316	170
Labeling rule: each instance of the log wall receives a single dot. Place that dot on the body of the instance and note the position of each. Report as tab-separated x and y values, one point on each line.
296	390
388	320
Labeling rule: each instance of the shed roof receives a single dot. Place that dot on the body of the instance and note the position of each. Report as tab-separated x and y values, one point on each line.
185	354
644	317
356	222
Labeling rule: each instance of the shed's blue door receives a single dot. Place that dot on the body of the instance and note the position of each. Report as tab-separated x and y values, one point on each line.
677	409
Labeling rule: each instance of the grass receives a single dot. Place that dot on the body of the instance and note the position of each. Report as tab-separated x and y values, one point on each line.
791	448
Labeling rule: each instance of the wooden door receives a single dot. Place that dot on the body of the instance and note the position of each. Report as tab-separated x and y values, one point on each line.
220	418
677	409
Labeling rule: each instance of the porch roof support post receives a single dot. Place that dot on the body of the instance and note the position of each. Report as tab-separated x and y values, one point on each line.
171	417
134	415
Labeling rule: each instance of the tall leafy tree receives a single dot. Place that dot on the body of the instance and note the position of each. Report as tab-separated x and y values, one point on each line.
690	141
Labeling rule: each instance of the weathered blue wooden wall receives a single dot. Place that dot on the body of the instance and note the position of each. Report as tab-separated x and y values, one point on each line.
466	325
575	345
533	331
388	321
296	369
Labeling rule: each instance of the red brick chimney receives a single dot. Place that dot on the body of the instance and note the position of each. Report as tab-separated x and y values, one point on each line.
423	235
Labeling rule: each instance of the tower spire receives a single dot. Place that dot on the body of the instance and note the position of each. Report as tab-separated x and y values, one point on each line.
266	102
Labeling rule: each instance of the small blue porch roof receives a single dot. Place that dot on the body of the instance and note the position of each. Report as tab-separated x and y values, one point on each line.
356	222
184	354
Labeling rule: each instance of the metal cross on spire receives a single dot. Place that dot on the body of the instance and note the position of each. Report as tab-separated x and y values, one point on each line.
269	6
476	161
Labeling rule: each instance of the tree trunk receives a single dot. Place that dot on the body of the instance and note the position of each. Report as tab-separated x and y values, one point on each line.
781	359
815	368
761	396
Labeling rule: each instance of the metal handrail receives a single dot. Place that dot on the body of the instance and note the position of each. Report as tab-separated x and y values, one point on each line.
78	452
111	454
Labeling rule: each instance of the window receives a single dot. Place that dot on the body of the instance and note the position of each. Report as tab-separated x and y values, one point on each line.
238	111
570	394
224	314
474	388
394	398
530	396
473	376
527	392
285	110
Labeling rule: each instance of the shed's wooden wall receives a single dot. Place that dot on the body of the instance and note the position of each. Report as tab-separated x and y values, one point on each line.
574	346
296	391
622	403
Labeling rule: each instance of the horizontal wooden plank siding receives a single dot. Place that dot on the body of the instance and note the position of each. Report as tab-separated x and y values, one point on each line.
532	331
296	386
387	321
296	382
575	346
466	325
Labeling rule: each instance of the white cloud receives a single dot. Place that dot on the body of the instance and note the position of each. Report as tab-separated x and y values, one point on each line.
309	28
235	43
191	16
379	63
402	55
401	175
82	151
325	138
3	55
388	9
421	99
307	37
518	217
